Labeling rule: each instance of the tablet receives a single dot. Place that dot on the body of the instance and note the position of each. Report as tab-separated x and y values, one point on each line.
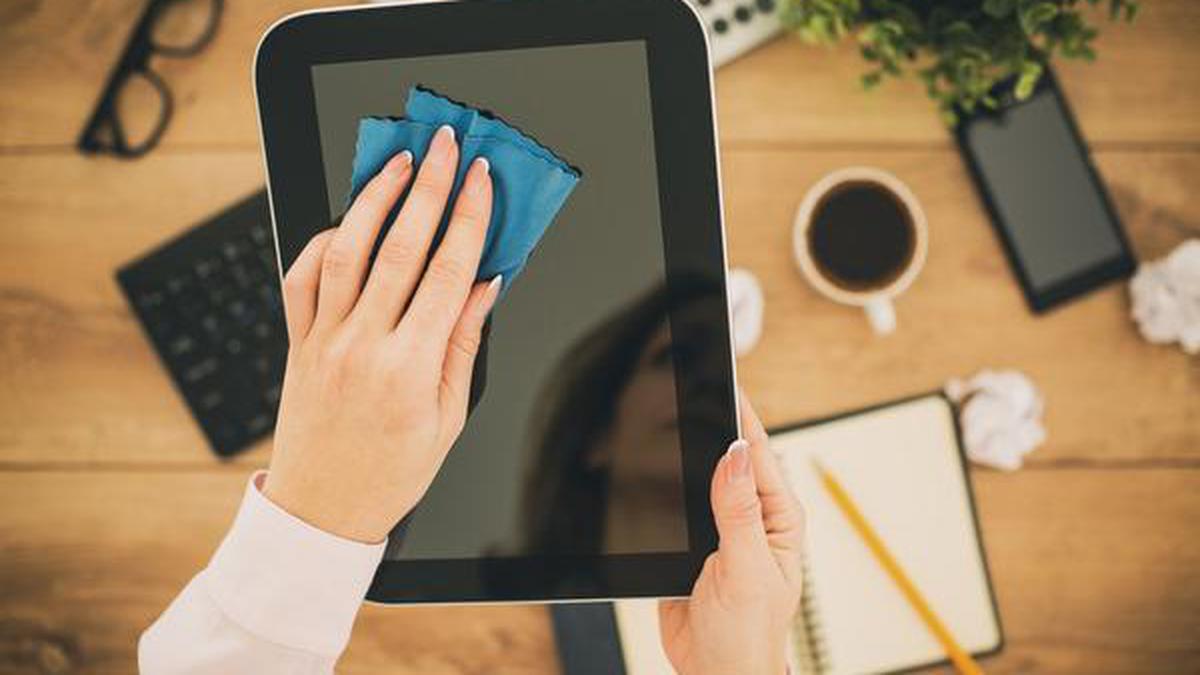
584	468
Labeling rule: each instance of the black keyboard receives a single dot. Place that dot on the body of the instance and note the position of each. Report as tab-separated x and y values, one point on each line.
209	302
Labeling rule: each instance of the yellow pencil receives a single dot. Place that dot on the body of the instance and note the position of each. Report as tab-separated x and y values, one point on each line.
961	659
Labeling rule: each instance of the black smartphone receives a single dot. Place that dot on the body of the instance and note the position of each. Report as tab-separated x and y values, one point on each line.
1057	224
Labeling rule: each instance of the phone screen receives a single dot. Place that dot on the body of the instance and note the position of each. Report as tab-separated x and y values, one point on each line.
1044	195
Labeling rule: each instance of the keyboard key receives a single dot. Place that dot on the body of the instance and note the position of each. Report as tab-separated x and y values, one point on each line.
224	434
151	300
182	345
233	250
242	275
263	330
260	424
211	400
179	285
206	268
201	370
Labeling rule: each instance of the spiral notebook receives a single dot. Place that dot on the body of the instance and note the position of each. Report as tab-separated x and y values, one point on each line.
903	465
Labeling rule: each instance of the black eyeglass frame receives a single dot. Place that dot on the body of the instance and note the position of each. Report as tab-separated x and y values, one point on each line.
135	61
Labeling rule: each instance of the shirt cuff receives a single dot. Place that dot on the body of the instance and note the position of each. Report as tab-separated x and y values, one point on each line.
287	581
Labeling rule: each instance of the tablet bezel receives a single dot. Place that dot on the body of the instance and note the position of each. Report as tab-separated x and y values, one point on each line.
690	207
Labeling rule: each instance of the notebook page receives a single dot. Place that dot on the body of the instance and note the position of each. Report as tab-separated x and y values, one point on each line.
901	466
641	647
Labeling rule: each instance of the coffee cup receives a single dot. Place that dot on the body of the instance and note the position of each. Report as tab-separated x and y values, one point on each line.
860	239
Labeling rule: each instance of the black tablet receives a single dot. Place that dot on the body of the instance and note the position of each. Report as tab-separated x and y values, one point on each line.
584	468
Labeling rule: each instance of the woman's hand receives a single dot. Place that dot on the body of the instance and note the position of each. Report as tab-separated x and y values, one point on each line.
380	359
740	612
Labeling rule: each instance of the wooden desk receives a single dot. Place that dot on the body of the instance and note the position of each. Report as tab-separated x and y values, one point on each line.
109	500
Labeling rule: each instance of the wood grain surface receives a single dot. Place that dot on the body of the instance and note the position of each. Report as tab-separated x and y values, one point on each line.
109	500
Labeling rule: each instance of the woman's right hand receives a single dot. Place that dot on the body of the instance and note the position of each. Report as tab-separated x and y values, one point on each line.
741	609
381	354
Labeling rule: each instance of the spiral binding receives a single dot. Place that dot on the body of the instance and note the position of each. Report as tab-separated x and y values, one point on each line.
811	654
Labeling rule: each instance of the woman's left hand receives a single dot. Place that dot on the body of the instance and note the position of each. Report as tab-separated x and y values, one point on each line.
741	609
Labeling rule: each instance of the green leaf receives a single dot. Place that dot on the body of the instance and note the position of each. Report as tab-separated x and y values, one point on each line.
998	9
959	49
1031	72
1037	15
959	30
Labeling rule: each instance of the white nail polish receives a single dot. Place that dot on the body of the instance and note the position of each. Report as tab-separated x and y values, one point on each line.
446	128
487	166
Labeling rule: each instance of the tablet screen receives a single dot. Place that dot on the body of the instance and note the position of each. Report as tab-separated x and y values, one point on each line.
574	446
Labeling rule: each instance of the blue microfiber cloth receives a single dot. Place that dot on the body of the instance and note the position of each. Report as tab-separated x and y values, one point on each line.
529	182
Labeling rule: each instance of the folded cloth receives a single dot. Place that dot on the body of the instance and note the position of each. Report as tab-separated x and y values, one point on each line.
529	182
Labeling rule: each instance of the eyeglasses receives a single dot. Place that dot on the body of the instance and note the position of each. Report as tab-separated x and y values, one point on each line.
136	104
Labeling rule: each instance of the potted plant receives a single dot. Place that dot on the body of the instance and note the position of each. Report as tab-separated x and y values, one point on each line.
965	51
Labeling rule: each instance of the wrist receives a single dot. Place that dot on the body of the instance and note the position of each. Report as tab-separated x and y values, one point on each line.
314	504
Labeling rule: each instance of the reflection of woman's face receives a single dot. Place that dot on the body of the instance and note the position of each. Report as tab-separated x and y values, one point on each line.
612	468
646	413
645	488
643	447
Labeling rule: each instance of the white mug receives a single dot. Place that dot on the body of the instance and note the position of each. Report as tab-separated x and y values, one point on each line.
877	302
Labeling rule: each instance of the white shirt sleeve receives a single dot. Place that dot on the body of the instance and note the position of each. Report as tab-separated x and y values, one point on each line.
278	596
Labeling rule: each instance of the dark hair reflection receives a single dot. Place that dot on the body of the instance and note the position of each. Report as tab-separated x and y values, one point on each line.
606	473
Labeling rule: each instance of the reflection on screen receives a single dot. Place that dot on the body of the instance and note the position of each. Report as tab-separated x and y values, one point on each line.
1042	189
574	445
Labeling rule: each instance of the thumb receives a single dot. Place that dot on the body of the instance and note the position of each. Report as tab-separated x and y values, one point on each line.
738	514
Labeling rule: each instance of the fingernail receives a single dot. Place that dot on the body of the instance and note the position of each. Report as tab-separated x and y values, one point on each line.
444	135
493	291
482	161
400	162
739	459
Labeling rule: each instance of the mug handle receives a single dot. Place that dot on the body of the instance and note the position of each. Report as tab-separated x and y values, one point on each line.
881	315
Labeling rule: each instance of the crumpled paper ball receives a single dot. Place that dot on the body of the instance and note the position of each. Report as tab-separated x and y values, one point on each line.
1000	413
746	304
1166	298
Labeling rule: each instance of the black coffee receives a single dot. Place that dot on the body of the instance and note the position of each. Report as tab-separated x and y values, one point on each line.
862	236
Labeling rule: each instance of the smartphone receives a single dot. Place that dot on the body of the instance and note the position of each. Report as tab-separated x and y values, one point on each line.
1056	222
